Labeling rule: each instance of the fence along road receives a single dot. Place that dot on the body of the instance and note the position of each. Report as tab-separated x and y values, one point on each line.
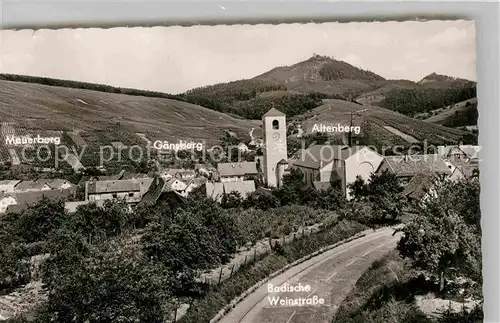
331	276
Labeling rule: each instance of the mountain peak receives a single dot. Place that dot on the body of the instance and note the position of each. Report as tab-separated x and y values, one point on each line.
434	77
437	77
318	72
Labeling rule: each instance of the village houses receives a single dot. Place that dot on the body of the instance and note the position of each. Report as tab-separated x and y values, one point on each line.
130	190
333	165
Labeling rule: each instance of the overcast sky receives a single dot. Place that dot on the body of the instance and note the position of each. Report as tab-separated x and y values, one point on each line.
175	59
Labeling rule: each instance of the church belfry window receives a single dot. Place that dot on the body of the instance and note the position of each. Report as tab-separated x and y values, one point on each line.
276	125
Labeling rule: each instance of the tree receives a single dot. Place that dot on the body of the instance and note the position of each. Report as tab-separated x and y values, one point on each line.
231	200
383	191
329	199
198	237
261	199
40	220
357	188
110	284
99	223
444	237
289	192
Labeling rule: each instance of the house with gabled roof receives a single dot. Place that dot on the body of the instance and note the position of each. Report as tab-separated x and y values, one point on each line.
32	186
17	202
217	190
459	152
88	178
205	170
130	190
59	184
7	186
421	187
236	172
337	165
175	184
5	201
194	183
179	173
463	169
405	167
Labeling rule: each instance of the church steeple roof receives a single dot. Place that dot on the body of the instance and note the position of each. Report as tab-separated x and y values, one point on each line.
274	113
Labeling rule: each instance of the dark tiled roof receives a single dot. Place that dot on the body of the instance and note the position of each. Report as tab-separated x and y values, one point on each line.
153	193
419	185
313	156
237	169
273	113
25	199
24	185
410	165
57	183
16	208
112	186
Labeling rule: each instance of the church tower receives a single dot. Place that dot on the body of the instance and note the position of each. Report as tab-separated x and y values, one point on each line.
275	150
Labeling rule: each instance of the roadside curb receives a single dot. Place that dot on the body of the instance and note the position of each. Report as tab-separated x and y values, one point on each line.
240	298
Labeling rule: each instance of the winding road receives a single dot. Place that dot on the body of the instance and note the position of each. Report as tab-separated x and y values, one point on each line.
330	275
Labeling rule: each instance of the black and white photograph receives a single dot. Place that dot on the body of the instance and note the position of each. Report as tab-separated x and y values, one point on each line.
246	173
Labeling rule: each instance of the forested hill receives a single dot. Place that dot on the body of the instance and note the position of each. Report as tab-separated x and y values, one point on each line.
299	88
412	102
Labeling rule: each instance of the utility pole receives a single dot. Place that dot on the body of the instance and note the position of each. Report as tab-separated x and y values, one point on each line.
349	141
350	128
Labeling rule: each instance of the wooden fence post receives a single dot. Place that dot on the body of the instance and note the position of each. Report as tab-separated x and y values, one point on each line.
232	270
220	275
